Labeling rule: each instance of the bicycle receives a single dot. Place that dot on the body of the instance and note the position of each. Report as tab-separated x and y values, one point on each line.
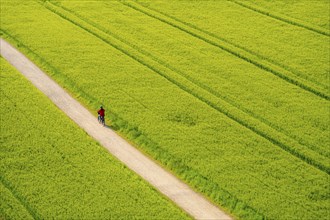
101	120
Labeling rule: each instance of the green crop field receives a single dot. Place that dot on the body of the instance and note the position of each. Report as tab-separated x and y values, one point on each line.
51	169
231	96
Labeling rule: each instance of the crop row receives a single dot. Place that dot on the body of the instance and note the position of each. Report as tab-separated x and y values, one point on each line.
220	158
282	17
314	158
51	168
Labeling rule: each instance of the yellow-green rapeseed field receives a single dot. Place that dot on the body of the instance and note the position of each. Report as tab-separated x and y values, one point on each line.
232	96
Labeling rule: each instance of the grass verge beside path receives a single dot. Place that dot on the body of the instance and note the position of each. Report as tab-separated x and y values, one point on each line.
50	168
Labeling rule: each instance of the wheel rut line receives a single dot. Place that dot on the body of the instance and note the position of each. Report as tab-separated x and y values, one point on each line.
16	194
193	81
243	55
19	198
287	68
283	18
150	65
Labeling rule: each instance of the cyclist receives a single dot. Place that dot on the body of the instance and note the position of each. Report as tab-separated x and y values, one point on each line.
101	115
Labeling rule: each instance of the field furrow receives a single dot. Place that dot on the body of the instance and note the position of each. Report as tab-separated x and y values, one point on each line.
249	51
295	49
240	53
283	18
297	73
314	156
22	201
11	204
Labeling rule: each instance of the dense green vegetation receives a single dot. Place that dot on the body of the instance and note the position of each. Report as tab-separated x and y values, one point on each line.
51	169
300	51
236	106
299	11
204	74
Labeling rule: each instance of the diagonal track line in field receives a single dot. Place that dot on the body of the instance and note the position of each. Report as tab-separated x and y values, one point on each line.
240	53
11	188
190	201
289	145
196	83
282	17
290	69
19	198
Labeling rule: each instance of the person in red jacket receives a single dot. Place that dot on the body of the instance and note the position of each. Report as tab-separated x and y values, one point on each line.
101	114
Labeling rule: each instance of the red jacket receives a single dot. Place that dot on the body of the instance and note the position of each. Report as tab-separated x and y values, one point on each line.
101	112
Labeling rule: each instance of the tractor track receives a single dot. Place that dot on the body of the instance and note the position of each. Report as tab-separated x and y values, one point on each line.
282	18
197	83
291	146
240	53
287	68
33	213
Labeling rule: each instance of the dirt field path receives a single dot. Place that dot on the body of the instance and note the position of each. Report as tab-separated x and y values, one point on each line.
190	201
